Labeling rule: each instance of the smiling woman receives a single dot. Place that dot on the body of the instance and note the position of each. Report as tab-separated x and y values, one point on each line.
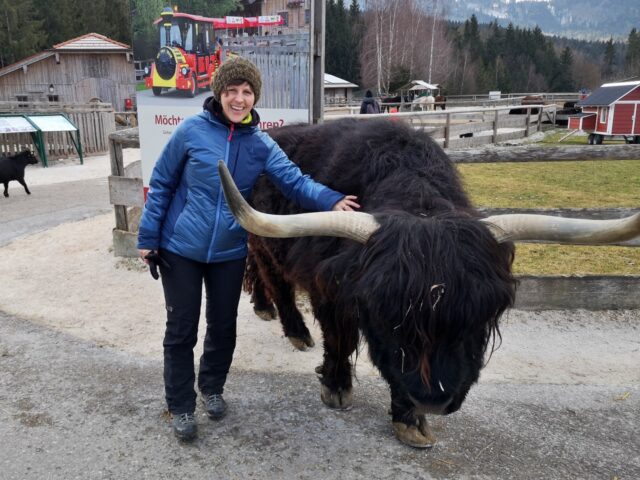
187	230
237	101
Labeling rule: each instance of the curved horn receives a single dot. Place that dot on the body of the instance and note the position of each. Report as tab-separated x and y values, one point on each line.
357	226
563	230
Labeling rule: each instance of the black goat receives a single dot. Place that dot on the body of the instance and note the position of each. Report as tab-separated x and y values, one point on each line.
12	168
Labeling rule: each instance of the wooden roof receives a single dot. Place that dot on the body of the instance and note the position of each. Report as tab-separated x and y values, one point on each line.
90	42
608	93
331	81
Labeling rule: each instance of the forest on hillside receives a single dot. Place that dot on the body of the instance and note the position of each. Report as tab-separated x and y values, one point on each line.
390	42
381	46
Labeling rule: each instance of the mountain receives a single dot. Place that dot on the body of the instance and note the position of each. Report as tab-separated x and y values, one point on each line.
585	19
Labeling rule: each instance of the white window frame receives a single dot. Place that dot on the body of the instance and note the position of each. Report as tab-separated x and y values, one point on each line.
603	114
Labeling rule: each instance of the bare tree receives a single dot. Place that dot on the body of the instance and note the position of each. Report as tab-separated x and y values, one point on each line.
396	34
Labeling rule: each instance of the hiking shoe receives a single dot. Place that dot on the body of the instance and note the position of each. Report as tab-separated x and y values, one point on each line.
215	405
184	426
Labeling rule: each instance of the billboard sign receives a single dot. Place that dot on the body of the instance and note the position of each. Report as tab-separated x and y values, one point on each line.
187	49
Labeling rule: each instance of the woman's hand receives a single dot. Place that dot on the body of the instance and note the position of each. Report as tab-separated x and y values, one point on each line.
143	254
348	203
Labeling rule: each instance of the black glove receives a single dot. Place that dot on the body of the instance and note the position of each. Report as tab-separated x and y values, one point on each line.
154	260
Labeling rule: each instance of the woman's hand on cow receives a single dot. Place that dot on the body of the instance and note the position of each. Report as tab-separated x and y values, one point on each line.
143	254
348	203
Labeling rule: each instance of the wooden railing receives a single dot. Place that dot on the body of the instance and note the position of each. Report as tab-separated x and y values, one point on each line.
471	127
126	192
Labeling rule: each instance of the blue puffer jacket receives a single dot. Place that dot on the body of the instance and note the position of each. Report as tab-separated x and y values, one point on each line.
186	212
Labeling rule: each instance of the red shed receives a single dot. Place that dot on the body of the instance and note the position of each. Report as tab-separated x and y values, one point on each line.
612	109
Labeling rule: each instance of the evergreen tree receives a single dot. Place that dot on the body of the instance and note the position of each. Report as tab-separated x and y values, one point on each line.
340	46
609	59
632	58
59	21
145	33
355	42
471	36
564	81
21	32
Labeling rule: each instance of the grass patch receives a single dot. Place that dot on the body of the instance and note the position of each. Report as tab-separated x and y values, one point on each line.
553	138
140	86
593	184
542	259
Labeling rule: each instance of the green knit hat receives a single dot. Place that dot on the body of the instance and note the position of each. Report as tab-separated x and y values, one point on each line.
235	69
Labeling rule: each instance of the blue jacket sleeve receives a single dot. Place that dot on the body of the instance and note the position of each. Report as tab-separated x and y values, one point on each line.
162	185
296	186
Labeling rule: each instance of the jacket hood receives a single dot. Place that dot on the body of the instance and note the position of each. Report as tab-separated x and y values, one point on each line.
215	108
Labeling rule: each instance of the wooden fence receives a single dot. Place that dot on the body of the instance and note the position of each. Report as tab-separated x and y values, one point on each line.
283	61
472	127
94	120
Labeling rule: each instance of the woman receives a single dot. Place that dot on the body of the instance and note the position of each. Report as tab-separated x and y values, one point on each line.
187	229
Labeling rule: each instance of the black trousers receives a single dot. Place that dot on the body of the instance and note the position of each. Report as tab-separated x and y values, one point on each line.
182	284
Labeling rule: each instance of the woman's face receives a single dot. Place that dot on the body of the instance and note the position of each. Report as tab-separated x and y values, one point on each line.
237	101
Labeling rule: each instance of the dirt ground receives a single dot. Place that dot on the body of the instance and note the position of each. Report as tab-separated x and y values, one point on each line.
66	300
67	279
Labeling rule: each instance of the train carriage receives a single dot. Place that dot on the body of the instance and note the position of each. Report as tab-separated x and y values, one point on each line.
190	50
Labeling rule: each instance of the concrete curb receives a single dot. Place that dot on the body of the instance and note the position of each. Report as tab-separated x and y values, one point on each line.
592	292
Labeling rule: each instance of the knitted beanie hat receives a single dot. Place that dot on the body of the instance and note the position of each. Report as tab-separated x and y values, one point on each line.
235	69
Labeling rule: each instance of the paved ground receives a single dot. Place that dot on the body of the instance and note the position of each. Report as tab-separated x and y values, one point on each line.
50	205
72	409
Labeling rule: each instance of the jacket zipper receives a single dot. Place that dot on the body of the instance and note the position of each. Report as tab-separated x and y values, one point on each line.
219	206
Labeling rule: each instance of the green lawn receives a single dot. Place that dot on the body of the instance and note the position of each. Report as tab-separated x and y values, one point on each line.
593	184
554	137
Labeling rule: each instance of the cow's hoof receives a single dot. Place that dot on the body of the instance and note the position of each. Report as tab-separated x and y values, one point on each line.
340	400
417	436
302	343
266	314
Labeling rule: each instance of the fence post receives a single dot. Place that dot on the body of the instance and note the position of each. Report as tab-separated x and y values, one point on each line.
447	128
526	130
540	119
495	126
117	169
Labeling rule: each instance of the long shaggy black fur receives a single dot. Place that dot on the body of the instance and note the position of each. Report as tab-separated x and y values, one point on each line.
428	288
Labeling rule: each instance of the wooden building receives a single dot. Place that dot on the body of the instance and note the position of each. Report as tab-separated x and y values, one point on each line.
337	91
81	70
612	109
295	13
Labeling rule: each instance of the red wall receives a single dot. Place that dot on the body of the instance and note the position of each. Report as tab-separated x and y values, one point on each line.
589	123
633	94
622	121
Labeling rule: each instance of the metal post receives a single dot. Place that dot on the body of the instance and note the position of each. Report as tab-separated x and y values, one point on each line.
447	131
316	70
